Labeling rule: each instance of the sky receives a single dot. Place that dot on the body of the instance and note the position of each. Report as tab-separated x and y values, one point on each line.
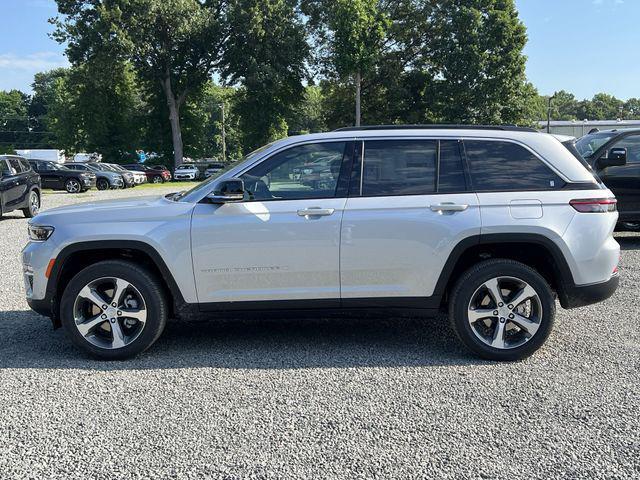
582	46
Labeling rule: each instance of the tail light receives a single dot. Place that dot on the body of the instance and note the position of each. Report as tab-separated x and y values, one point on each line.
594	205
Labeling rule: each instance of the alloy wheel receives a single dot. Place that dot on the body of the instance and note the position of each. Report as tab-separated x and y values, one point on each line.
505	312
34	203
73	186
157	180
110	312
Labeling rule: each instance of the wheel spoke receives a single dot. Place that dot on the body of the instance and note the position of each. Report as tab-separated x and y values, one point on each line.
525	294
118	335
526	324
480	313
92	296
120	287
86	327
140	315
498	335
494	290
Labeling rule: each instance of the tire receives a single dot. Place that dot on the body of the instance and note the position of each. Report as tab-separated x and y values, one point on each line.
630	226
102	184
33	205
141	294
157	179
498	337
73	185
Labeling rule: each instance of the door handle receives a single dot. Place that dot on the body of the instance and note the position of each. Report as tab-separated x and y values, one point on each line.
316	212
449	207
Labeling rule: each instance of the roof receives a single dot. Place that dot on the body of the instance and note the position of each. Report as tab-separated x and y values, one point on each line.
512	128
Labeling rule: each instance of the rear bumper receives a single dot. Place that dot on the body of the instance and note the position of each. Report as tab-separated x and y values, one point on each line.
580	295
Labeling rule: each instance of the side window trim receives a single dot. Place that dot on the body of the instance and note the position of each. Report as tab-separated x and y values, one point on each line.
342	185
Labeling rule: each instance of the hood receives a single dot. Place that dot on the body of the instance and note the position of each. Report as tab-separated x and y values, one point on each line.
123	210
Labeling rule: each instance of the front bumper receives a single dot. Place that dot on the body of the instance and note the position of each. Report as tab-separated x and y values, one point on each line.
580	295
185	176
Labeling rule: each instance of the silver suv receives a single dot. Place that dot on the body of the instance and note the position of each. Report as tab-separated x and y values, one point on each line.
491	223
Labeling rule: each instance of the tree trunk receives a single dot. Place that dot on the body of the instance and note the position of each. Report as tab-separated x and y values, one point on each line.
358	85
174	118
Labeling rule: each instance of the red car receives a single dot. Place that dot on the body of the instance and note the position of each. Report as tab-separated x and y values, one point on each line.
154	175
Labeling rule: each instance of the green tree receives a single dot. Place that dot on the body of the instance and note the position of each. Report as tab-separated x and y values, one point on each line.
476	61
172	43
14	122
265	54
601	107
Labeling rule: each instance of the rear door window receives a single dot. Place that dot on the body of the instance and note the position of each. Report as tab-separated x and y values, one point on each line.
506	166
399	167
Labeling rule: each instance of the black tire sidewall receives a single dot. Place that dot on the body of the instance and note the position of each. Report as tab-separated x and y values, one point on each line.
479	274
150	290
102	184
28	211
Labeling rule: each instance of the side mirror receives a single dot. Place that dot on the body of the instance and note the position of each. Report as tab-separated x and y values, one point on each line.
231	190
616	157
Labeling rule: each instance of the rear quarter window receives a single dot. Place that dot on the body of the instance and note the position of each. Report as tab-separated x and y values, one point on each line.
506	166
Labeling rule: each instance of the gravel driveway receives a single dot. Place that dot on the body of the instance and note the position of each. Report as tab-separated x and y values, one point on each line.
318	398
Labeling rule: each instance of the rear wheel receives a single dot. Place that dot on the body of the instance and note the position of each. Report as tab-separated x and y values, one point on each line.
102	184
73	185
33	205
114	309
502	310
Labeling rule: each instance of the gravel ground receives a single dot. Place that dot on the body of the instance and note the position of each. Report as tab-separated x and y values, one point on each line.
320	398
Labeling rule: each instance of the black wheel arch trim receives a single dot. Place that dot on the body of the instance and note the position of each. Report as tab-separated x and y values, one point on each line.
565	282
52	283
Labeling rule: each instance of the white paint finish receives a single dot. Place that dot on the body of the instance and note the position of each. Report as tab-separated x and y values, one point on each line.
155	221
522	209
585	239
397	246
266	250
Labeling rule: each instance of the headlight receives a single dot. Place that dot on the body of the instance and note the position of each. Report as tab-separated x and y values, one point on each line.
39	233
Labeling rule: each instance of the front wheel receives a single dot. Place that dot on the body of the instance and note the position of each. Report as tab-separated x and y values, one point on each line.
33	205
102	184
114	309
72	185
502	310
157	179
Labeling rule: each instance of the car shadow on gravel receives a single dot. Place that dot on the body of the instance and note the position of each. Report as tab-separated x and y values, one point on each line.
27	340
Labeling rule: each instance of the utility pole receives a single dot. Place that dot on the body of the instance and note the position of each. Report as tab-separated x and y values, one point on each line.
224	139
549	114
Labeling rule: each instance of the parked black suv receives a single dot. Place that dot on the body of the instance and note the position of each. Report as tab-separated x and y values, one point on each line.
615	157
19	186
59	177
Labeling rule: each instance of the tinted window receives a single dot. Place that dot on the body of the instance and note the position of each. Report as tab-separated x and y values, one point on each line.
589	144
507	166
451	178
399	167
15	165
306	171
4	167
632	144
25	165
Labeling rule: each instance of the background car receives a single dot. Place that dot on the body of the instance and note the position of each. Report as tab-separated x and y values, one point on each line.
153	175
615	157
161	168
138	177
127	176
212	169
19	186
105	178
58	177
186	171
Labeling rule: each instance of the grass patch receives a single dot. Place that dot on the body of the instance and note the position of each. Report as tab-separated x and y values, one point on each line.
177	185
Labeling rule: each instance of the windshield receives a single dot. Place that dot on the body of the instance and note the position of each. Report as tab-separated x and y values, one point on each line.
185	167
589	144
190	195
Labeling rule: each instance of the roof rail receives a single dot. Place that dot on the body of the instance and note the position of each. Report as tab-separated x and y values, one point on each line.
508	128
